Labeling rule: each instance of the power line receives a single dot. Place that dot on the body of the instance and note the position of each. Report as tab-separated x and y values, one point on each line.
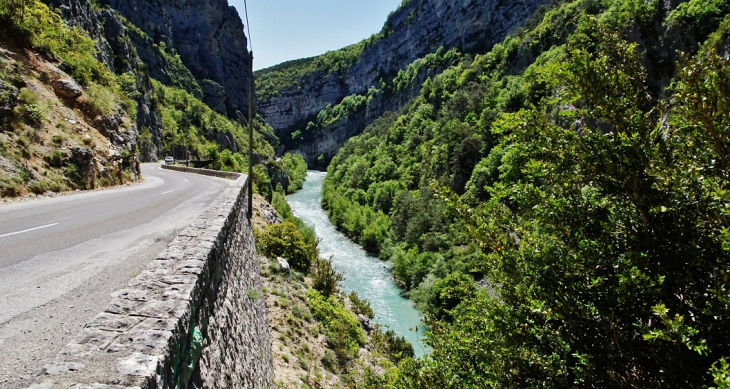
251	103
248	25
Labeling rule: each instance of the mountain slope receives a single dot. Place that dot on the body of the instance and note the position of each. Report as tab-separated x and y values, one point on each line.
558	205
137	93
55	135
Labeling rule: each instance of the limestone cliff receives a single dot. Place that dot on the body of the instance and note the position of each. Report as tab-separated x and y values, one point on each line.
209	37
417	28
197	46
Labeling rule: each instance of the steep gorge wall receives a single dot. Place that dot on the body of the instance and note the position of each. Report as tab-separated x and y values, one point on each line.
209	37
193	318
419	27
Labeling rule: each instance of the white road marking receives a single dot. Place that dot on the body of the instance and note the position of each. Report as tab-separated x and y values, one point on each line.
28	230
169	191
186	180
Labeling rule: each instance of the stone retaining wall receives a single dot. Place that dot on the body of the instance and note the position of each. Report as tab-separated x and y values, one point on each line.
194	318
205	172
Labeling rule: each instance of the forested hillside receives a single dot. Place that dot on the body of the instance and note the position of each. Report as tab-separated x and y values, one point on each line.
134	98
559	205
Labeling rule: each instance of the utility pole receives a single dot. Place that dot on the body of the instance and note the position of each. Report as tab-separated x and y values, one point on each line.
251	104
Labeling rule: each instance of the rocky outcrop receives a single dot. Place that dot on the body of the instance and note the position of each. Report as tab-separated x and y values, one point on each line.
417	28
144	38
209	37
83	159
326	141
283	264
115	50
320	145
365	323
112	127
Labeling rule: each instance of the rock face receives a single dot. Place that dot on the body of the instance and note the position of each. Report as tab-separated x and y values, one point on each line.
117	53
80	13
83	159
67	88
416	29
365	323
209	37
8	100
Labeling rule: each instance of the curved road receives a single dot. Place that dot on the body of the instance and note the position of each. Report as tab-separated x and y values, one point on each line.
61	258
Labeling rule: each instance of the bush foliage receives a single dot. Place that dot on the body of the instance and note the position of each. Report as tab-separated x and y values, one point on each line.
286	241
559	205
33	24
341	327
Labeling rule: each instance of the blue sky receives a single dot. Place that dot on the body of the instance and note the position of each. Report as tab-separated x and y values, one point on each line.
283	30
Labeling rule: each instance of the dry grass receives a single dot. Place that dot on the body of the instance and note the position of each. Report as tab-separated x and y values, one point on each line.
34	144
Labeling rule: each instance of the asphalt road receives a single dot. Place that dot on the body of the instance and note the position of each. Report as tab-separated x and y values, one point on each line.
61	258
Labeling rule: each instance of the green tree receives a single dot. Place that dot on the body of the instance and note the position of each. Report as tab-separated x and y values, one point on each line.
285	240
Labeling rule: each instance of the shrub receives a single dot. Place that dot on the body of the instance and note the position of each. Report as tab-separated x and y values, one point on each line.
341	327
449	292
102	101
282	207
304	361
396	347
43	186
32	108
10	188
361	306
56	159
296	169
262	182
25	145
285	240
325	277
329	361
301	312
77	179
31	23
33	114
254	294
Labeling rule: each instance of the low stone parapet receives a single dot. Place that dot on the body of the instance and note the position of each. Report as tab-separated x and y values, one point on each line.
205	172
193	318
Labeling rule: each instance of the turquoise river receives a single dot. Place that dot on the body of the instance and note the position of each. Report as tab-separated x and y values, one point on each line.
365	274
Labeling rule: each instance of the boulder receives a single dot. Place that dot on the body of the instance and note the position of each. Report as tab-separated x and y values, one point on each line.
268	212
365	323
67	88
283	264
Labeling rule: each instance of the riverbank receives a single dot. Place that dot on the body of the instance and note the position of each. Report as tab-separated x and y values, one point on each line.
368	276
303	346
